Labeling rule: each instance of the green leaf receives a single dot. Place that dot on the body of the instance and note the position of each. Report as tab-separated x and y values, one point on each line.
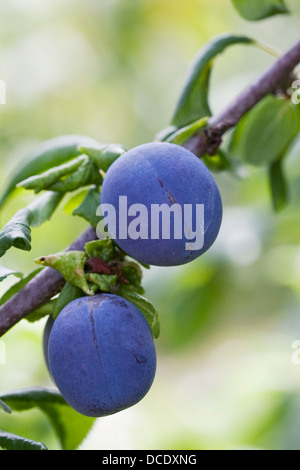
265	132
75	200
103	155
88	208
164	134
5	407
68	293
43	208
41	312
49	177
193	102
104	249
105	282
218	162
86	174
18	286
70	426
17	232
278	185
145	306
180	136
4	273
132	272
71	265
48	154
254	10
9	441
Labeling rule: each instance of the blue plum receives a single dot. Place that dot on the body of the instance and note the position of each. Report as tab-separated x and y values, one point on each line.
161	205
102	356
46	335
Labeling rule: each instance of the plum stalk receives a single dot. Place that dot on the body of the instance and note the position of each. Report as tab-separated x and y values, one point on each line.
49	282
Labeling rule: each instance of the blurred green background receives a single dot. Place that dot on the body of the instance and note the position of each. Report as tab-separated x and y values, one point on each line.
113	70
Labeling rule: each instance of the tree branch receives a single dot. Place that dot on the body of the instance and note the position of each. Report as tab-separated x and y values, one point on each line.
208	140
39	290
49	282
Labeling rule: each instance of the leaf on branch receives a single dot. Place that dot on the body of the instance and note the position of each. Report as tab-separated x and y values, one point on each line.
5	407
48	154
164	134
218	162
264	134
71	265
18	286
193	102
278	185
9	441
88	208
41	312
68	293
180	136
43	208
87	174
17	232
105	282
104	249
254	10
70	426
4	273
132	272
65	178
145	306
103	155
49	177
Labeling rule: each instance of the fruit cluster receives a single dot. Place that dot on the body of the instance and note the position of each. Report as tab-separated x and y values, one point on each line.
100	349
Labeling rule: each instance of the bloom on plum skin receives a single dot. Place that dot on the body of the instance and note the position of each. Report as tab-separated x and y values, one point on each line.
167	176
101	354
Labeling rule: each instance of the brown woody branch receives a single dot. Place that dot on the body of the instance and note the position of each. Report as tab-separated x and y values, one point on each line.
49	282
39	290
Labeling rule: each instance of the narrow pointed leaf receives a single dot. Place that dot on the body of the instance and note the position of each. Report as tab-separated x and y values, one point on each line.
71	265
145	306
49	177
254	10
41	312
4	273
9	441
104	249
43	208
104	282
5	407
88	208
278	185
46	155
103	155
86	174
16	232
193	103
264	133
70	426
68	293
180	136
18	286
